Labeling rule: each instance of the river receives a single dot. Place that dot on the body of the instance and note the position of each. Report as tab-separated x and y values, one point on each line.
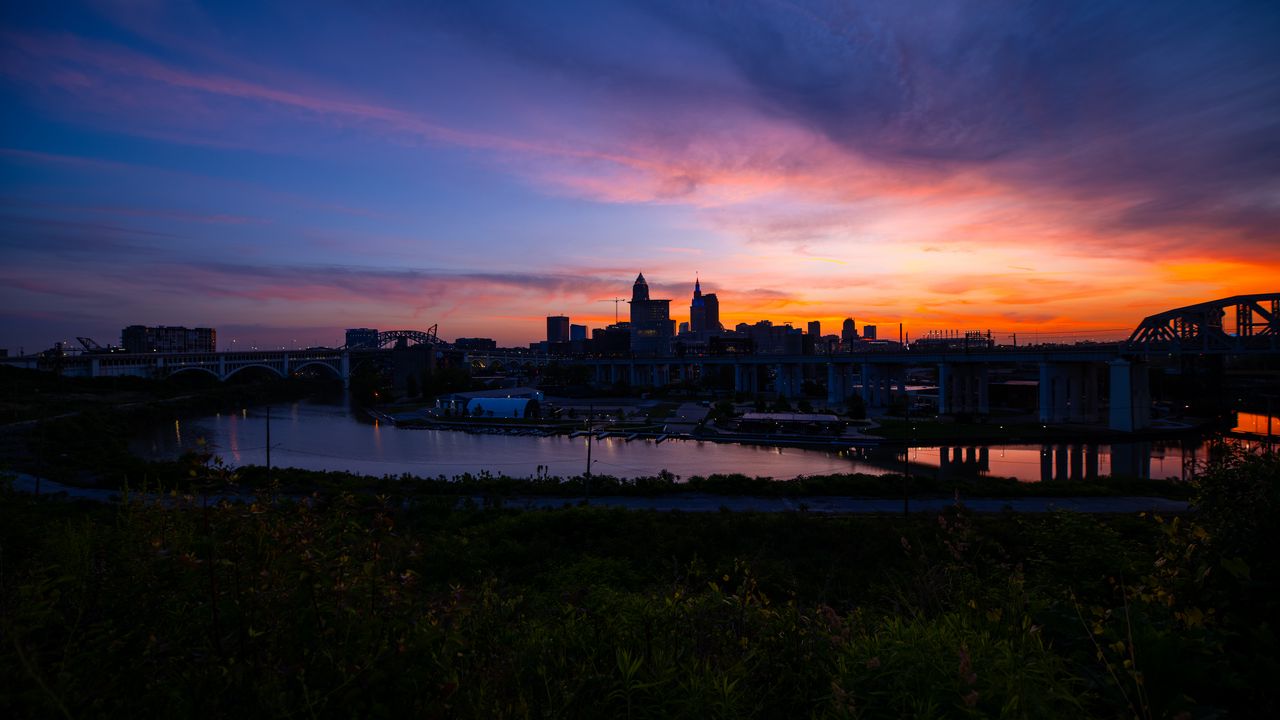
316	435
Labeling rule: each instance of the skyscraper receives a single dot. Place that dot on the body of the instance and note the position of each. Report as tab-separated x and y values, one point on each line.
815	328
557	328
704	312
651	325
712	305
848	332
697	309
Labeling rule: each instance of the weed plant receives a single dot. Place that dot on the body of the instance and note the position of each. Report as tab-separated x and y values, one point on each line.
339	605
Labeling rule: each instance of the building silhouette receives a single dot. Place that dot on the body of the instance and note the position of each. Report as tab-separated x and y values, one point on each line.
557	329
815	328
168	339
651	325
704	313
362	337
475	344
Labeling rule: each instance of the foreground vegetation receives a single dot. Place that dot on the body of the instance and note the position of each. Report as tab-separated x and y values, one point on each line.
359	605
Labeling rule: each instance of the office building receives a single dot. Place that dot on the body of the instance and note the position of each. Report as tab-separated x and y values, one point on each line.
849	332
612	341
362	338
869	332
168	339
769	339
815	328
704	313
557	329
651	325
577	332
711	305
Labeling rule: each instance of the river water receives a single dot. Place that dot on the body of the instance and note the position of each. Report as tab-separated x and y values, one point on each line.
322	436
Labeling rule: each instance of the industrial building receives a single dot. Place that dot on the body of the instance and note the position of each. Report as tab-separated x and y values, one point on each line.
362	338
168	339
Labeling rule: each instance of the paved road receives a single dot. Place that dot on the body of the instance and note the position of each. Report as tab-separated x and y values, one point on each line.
697	502
700	502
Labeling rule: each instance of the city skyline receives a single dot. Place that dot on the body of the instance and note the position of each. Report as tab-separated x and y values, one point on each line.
288	172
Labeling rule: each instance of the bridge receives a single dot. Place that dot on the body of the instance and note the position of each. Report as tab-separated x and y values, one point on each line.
1201	329
1069	377
337	362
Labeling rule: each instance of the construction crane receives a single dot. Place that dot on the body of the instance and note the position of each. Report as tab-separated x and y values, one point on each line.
615	302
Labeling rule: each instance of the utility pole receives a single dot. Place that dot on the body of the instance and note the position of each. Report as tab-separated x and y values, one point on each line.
906	464
586	480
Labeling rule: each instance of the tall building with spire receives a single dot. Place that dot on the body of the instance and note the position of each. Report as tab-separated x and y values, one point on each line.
651	325
704	312
697	309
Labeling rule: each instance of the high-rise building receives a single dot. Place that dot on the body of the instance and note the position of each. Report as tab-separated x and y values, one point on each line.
869	332
651	325
362	338
612	341
557	328
697	309
770	339
704	312
712	305
848	332
577	332
168	339
815	328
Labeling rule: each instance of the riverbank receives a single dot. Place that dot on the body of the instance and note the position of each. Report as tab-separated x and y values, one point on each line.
691	501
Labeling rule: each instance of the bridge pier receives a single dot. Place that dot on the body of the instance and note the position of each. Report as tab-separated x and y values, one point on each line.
963	388
787	380
1063	462
1131	459
1068	392
837	383
1130	396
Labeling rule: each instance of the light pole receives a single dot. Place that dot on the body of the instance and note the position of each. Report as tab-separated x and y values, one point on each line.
906	462
586	480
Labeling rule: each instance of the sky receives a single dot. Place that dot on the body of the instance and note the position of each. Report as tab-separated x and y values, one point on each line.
281	171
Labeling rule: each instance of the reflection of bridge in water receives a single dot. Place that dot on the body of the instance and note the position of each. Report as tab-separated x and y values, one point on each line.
1072	461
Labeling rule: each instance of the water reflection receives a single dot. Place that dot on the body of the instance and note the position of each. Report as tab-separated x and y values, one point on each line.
320	436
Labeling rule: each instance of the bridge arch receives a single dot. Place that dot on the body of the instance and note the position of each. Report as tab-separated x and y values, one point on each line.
232	373
1204	326
191	368
415	337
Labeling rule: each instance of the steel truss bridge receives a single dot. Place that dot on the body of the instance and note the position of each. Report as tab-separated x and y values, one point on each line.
1201	328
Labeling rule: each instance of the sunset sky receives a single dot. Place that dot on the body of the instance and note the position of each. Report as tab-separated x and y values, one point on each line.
281	174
